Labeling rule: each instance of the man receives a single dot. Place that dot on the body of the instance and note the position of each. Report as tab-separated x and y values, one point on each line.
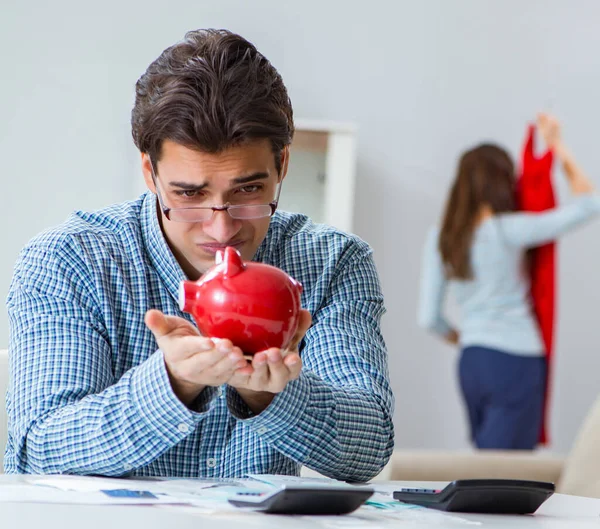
109	377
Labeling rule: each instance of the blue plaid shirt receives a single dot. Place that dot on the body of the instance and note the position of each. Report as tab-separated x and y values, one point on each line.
89	392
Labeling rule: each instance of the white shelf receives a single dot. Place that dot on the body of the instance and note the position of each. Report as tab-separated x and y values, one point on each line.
329	127
322	172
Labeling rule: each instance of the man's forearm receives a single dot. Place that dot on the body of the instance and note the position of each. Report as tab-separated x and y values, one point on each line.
124	427
344	433
257	401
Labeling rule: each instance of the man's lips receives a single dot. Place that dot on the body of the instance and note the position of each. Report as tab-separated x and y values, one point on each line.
215	247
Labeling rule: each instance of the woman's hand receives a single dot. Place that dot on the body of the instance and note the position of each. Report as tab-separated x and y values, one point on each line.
452	337
549	128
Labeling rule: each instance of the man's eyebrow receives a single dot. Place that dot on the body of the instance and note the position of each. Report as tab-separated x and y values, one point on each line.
238	180
250	178
187	186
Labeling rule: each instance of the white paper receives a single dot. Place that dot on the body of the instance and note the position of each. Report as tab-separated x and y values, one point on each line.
277	480
81	483
43	494
97	490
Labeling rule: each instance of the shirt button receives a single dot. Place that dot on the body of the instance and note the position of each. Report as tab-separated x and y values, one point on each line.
211	462
183	428
220	392
262	430
127	466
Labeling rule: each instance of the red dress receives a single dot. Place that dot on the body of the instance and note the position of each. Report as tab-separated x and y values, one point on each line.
535	193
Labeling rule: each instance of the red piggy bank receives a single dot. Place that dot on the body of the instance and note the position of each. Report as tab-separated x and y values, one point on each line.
254	305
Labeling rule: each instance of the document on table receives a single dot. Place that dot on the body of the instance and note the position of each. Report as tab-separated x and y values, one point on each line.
115	491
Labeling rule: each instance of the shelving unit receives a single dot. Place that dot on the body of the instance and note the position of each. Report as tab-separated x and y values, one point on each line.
322	173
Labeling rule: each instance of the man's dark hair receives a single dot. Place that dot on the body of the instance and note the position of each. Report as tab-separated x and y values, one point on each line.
209	92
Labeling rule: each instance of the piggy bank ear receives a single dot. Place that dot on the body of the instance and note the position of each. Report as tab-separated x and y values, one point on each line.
232	261
219	257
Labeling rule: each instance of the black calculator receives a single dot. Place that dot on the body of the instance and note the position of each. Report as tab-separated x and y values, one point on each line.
494	496
302	499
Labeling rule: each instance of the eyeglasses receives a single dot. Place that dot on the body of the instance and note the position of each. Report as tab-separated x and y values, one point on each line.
204	213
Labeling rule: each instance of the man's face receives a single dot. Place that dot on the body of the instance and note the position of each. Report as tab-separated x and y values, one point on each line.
186	178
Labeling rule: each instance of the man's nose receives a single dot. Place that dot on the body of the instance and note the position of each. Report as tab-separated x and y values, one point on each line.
221	226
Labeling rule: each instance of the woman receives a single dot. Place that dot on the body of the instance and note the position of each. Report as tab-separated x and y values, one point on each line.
480	252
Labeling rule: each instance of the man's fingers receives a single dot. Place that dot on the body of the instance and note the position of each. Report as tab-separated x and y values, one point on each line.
304	322
156	322
279	374
293	363
228	364
260	375
163	325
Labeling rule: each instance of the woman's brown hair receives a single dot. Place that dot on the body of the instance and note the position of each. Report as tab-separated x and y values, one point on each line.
485	177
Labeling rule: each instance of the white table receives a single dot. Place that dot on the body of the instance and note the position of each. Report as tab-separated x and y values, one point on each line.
559	511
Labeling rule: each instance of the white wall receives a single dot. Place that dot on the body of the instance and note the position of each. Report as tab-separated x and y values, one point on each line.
423	80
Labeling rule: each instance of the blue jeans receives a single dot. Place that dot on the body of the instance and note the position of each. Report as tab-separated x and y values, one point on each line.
504	396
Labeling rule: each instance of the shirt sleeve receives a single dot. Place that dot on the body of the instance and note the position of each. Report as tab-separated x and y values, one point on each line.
432	289
336	418
67	413
535	229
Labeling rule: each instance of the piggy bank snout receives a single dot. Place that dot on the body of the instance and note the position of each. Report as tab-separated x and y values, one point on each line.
188	291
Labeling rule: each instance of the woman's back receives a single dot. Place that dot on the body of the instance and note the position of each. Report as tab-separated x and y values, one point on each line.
495	305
